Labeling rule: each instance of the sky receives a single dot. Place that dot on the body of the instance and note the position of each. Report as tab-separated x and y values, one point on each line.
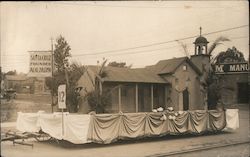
139	33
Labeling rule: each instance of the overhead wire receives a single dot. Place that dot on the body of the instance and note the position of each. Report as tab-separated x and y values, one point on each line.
153	44
150	50
165	48
159	43
98	4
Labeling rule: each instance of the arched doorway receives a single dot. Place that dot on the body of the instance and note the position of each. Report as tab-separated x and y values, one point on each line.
185	95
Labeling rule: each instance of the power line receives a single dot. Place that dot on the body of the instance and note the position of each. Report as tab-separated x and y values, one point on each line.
140	6
136	52
143	51
159	43
150	51
149	45
228	29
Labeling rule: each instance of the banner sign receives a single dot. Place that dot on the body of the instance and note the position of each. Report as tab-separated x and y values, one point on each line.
62	96
231	68
40	64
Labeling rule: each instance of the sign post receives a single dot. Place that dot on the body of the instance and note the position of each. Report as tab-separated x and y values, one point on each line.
42	65
62	101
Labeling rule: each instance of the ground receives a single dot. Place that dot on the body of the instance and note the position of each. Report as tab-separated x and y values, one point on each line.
161	146
242	150
24	103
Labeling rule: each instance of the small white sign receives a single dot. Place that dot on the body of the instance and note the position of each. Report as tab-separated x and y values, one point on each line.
62	96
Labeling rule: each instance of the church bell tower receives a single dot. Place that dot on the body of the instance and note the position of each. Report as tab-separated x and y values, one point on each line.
201	58
200	44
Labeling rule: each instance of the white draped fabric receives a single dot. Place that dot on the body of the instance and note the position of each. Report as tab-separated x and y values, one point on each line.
232	119
26	122
75	128
51	124
106	128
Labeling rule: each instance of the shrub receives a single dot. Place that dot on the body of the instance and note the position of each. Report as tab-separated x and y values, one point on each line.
98	102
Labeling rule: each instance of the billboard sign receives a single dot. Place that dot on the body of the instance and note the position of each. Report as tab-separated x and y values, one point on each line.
40	64
231	68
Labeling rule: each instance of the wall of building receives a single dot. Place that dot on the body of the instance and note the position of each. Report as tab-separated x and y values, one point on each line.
159	96
164	95
111	89
144	98
230	92
200	61
29	85
20	86
128	97
179	81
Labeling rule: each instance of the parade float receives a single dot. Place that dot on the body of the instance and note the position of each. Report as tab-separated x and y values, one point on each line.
169	98
107	128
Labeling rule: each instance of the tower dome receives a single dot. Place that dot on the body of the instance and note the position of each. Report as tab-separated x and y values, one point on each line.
200	40
200	44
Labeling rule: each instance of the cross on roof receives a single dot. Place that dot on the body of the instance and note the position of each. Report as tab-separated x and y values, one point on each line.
200	30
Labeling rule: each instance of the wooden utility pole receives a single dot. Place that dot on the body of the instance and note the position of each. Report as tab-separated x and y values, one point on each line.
52	74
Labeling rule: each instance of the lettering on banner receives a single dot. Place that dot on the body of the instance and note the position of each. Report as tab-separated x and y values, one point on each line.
40	64
231	68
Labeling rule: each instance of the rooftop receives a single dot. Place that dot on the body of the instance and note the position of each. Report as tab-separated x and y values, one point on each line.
16	77
149	74
142	75
166	66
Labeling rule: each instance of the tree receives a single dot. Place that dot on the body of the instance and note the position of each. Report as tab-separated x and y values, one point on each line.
184	47
98	99
65	73
1	80
2	76
211	81
217	42
119	64
233	54
61	54
75	71
11	72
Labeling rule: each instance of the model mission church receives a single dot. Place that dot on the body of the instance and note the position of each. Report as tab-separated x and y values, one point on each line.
169	83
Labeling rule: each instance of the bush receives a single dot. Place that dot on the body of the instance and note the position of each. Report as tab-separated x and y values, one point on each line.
98	102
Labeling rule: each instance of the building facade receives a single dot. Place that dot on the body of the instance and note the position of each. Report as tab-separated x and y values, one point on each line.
25	85
173	83
235	85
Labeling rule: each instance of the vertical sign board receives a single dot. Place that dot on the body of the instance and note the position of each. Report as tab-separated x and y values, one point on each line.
40	64
62	96
62	101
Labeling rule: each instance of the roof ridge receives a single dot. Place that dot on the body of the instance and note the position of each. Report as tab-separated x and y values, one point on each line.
184	58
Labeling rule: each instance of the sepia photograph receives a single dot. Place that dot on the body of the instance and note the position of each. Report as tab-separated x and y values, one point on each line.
125	78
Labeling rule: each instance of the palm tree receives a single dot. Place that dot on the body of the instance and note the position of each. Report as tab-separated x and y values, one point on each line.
100	74
212	85
95	97
184	46
217	42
